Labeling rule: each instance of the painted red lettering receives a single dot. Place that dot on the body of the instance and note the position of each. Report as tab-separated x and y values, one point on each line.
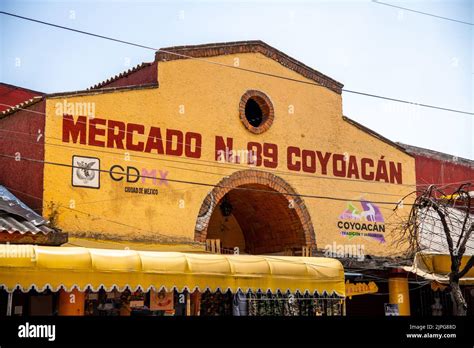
323	160
339	171
191	138
367	174
290	153
73	130
94	132
270	151
395	173
131	128
353	168
115	140
309	161
154	141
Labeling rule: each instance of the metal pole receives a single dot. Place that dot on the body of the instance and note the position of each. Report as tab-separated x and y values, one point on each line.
9	304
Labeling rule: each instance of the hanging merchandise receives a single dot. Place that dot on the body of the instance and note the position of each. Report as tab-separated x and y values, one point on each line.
279	303
252	298
92	302
260	303
216	304
161	300
227	303
318	305
239	304
306	305
102	303
125	309
109	303
269	304
137	299
291	307
336	308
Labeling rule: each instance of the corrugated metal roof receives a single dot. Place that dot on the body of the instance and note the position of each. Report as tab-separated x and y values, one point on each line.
10	224
16	216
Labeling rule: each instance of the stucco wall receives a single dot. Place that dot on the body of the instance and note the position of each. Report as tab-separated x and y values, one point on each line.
197	97
22	136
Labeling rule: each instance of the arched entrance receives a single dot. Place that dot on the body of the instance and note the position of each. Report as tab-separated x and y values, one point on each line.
257	211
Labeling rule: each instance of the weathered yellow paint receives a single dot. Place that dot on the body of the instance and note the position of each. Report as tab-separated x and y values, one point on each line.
210	95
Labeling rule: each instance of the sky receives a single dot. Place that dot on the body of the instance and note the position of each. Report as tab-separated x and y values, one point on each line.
367	46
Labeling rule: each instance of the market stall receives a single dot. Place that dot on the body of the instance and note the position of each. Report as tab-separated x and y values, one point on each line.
144	280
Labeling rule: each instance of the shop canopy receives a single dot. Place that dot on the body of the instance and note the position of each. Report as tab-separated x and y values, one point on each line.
27	266
437	267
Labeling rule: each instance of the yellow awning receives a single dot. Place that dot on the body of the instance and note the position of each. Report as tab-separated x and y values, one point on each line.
28	266
437	267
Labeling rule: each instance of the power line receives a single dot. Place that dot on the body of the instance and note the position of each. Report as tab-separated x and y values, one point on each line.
230	66
408	102
188	169
227	165
209	163
207	172
423	13
203	183
305	176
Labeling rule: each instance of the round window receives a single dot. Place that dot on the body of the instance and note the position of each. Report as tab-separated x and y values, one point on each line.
256	111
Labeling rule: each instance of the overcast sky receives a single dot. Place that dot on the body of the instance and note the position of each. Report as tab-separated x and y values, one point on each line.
367	46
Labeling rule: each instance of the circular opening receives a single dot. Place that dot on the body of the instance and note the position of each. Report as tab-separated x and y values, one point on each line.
256	111
253	113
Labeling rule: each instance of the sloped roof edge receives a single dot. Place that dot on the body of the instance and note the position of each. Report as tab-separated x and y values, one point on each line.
376	135
14	87
21	106
252	46
420	151
120	75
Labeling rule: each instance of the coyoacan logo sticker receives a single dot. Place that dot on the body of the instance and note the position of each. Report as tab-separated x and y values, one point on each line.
363	221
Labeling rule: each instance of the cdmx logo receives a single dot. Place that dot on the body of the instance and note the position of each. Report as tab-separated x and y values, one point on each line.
362	219
86	173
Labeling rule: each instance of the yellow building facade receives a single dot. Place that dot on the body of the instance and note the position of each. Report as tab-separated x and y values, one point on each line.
266	163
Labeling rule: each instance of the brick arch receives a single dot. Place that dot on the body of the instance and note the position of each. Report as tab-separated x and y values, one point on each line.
294	222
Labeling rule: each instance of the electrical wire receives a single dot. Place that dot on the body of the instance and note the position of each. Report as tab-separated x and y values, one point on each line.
420	12
207	165
229	65
204	184
213	164
220	174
